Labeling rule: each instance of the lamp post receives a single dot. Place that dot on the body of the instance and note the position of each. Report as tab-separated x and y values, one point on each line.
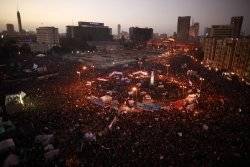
183	88
201	81
135	90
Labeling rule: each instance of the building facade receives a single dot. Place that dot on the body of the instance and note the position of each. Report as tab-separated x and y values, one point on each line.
236	23
194	30
48	36
183	26
230	54
137	34
222	31
89	31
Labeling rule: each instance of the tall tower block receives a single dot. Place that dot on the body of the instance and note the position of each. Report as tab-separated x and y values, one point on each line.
19	22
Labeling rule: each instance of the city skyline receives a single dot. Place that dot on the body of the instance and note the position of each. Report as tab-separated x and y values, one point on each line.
163	14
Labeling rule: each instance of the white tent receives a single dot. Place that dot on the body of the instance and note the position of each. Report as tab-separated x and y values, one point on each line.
115	73
35	66
15	98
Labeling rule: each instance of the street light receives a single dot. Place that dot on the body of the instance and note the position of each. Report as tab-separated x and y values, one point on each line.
135	90
84	68
183	88
201	79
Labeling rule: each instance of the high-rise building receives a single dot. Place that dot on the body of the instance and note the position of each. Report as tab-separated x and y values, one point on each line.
19	22
119	29
137	34
10	28
221	31
241	58
194	30
183	26
230	54
236	23
89	31
48	36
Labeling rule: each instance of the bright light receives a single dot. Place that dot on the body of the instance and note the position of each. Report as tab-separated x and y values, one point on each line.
84	68
202	79
2	36
21	99
134	89
78	72
167	65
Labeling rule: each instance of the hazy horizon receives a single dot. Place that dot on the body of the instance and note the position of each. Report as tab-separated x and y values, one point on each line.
161	15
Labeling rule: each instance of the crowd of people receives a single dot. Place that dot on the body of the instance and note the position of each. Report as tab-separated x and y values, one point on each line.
77	133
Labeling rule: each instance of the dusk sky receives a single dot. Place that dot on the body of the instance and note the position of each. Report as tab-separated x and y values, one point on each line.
158	14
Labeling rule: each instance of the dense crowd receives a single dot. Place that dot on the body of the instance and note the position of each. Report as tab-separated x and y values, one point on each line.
52	119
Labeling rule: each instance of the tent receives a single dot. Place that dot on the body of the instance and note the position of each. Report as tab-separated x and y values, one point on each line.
114	73
148	106
15	98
